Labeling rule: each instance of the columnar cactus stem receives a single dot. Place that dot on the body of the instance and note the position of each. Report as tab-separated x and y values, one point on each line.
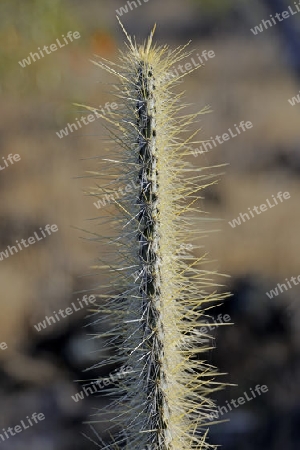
165	294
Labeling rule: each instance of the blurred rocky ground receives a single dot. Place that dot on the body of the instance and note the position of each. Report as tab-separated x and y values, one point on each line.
249	79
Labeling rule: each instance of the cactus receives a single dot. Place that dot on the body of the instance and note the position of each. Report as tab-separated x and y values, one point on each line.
158	293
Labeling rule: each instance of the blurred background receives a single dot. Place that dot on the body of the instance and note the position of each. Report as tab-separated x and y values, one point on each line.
250	78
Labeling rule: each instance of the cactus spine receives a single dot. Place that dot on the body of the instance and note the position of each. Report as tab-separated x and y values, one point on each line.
163	294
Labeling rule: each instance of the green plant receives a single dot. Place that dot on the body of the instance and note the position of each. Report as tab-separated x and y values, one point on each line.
164	291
